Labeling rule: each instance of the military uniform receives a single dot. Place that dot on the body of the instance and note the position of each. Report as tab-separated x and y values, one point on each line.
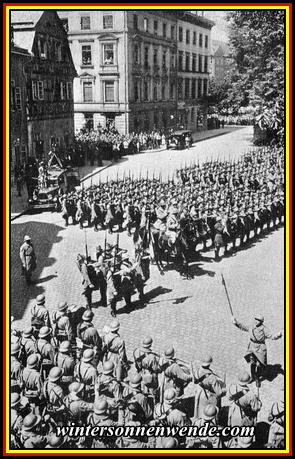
28	258
210	388
276	435
116	352
245	404
86	373
39	317
62	327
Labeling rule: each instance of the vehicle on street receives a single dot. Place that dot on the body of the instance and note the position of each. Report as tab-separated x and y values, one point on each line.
57	182
177	139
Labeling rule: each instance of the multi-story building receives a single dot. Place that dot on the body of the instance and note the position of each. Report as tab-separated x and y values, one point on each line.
193	47
19	57
127	68
49	75
221	61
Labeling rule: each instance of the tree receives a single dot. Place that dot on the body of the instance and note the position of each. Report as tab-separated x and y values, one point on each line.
257	40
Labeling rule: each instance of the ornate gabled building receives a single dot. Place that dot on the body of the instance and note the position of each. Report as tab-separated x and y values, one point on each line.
49	75
128	66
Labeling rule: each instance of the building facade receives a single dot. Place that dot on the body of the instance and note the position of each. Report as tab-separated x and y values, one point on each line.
128	68
49	75
19	58
221	61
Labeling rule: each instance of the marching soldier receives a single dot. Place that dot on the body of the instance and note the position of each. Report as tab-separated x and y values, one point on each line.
16	369
64	360
161	213
28	258
112	293
31	436
77	408
39	315
61	323
207	420
115	350
256	353
245	404
218	239
108	387
138	408
168	414
46	350
88	334
87	285
210	388
28	343
32	382
85	372
17	415
177	376
172	224
101	417
147	364
54	394
64	209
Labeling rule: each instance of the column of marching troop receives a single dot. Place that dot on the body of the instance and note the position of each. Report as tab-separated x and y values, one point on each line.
64	372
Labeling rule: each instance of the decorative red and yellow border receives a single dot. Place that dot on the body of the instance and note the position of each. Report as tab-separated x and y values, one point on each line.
6	228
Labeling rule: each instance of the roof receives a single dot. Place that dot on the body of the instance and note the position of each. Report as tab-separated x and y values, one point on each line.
220	48
24	21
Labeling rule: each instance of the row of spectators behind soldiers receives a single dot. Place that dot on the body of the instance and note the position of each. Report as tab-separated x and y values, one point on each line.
65	372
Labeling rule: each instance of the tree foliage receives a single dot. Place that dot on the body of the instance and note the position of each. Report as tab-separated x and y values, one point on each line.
257	41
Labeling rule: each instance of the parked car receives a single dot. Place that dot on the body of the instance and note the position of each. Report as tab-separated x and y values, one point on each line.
44	199
177	139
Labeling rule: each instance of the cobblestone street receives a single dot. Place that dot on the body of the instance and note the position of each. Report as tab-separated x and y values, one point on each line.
193	316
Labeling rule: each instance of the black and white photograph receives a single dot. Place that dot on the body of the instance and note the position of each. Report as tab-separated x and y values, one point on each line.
148	168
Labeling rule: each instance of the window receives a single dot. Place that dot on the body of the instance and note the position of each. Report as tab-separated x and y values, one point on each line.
180	34
146	57
206	41
200	88
85	22
164	59
180	60
155	91
65	23
40	90
194	38
156	27
172	91
200	63
136	54
107	21
173	59
187	39
69	90
180	88
206	64
87	91
155	57
194	83
164	30
205	87
18	98
146	25
146	91
135	22
187	62
108	54
57	51
62	90
86	55
187	87
137	91
109	91
194	63
173	32
163	90
200	40
88	117
42	48
34	90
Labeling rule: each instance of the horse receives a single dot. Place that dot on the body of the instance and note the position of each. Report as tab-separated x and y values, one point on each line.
234	230
203	231
132	218
114	216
